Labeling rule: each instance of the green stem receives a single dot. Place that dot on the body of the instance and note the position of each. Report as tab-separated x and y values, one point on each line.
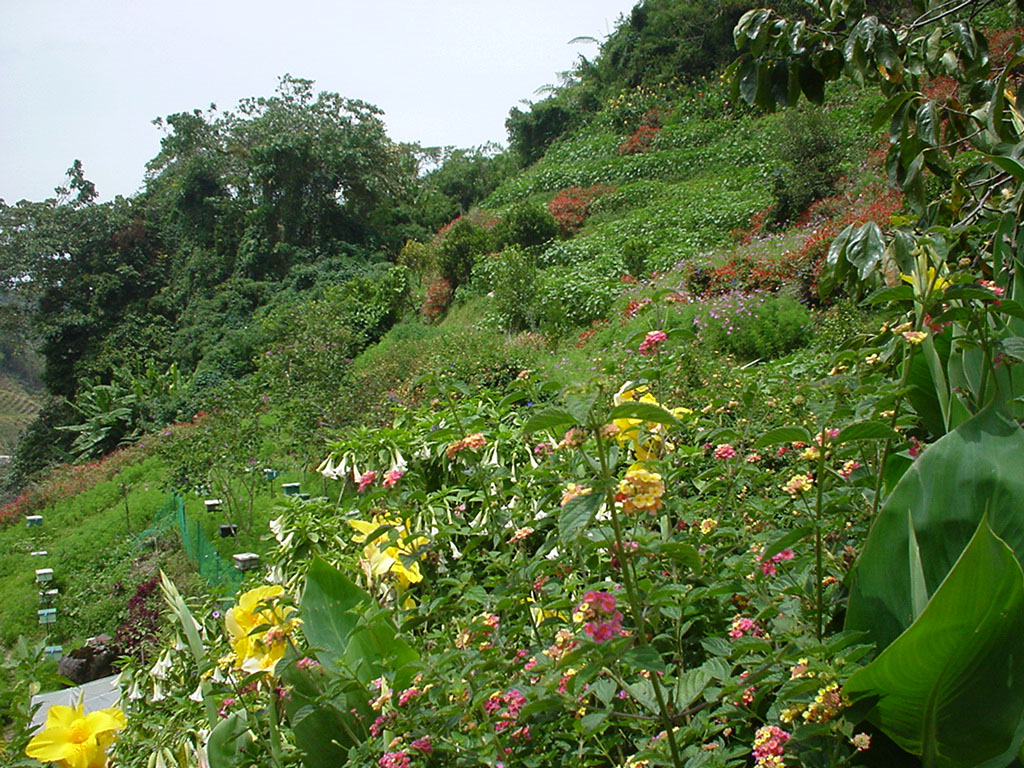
625	561
818	567
880	473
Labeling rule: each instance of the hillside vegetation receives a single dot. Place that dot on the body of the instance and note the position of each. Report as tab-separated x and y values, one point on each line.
685	432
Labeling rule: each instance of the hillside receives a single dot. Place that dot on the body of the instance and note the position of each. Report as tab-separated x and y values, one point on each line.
642	458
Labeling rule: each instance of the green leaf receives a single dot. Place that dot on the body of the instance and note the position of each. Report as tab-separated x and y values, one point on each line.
592	721
787	540
551	418
788	434
345	625
886	111
577	514
227	740
927	120
865	249
644	657
690	685
867	430
949	688
1008	164
973	469
636	409
812	83
324	730
683	553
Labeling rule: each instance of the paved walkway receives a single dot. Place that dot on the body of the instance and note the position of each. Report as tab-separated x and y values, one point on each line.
99	694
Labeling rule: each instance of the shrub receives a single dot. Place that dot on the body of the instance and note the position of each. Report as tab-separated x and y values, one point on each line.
459	250
754	325
571	206
439	296
526	226
810	154
643	137
514	285
571	297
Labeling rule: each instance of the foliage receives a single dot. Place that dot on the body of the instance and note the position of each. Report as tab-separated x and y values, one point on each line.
511	276
570	207
462	245
526	226
754	326
810	158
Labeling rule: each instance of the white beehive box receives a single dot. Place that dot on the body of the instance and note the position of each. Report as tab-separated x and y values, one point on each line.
246	561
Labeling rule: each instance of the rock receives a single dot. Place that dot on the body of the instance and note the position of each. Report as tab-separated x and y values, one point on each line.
92	661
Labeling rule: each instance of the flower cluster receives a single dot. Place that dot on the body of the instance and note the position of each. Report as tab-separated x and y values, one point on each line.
506	707
651	341
798	484
603	620
742	626
640	490
392	476
768	566
848	469
366	480
724	451
826	704
573	490
769	747
259	628
394	760
473	442
479	633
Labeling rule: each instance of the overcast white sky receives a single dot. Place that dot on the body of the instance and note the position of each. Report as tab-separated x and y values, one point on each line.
85	78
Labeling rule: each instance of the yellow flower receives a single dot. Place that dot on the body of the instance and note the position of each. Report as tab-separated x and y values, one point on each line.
629	429
377	561
931	282
73	739
259	651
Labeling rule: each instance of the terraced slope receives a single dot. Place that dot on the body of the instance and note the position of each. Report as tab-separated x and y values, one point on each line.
18	408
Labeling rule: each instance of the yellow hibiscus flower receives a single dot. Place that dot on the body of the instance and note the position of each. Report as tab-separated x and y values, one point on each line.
73	739
260	607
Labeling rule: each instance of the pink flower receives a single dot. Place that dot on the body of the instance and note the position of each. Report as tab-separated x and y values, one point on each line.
651	341
724	451
422	744
394	760
741	626
366	480
768	746
306	663
392	476
848	469
408	695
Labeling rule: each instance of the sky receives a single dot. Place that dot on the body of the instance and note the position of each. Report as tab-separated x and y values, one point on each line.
84	79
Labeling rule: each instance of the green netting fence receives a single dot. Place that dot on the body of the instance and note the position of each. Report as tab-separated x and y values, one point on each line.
214	569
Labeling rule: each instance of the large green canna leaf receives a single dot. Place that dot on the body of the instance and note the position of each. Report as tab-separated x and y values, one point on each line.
353	639
347	627
950	688
978	466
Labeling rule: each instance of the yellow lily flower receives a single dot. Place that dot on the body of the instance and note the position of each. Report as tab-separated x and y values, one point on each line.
73	739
